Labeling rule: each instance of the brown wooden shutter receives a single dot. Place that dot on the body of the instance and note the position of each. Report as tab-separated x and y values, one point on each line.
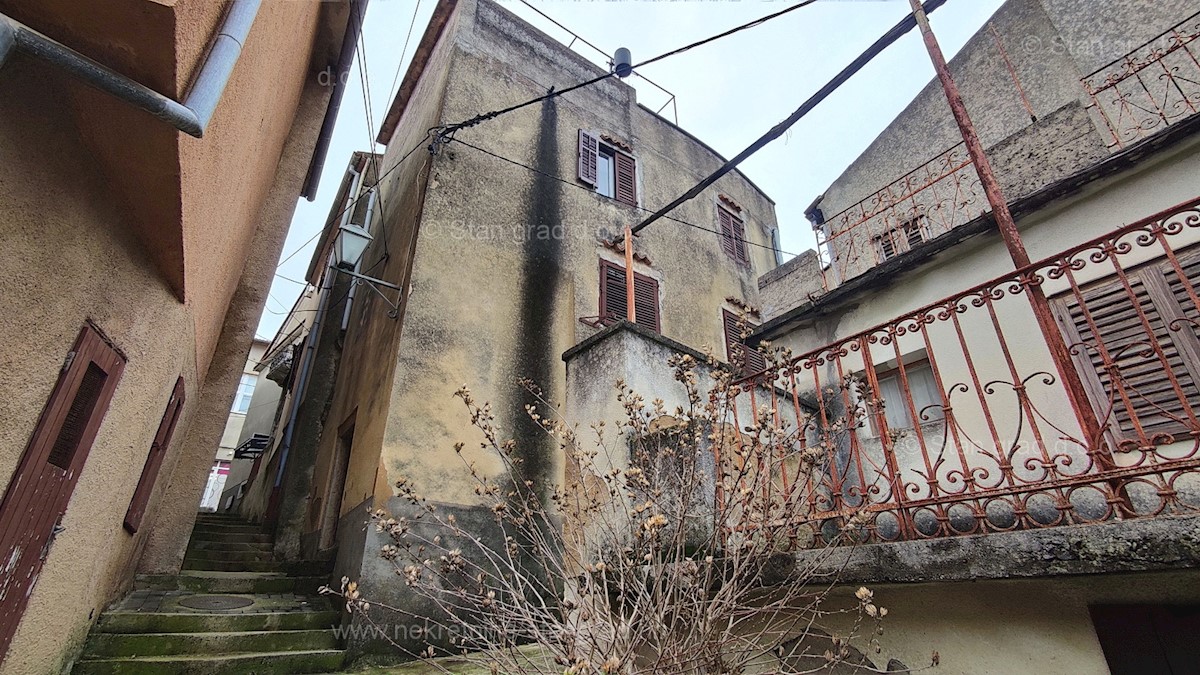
645	298
613	305
158	450
745	360
589	151
1121	333
613	302
41	486
733	235
626	178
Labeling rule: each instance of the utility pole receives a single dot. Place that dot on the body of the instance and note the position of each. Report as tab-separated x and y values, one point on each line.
1068	375
630	296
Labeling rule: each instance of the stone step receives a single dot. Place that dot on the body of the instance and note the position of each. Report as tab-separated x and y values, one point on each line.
203	581
224	565
228	528
262	554
233	537
108	645
174	622
313	661
264	546
218	515
297	567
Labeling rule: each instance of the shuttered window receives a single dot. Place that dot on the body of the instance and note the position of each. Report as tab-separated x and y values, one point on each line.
905	237
158	449
733	235
1155	352
614	297
612	172
747	361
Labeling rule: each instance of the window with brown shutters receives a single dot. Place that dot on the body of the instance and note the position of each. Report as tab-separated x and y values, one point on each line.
158	450
746	360
625	178
904	237
589	150
1137	348
733	235
610	171
614	297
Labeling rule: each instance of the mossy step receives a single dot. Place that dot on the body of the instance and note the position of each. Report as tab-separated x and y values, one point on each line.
296	567
170	622
226	565
228	528
104	645
205	554
203	581
264	546
232	537
313	661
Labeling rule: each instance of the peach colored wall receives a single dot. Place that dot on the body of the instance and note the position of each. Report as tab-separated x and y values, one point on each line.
67	254
72	247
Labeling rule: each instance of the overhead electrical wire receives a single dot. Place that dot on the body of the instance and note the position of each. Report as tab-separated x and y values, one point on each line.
589	189
897	31
403	51
443	133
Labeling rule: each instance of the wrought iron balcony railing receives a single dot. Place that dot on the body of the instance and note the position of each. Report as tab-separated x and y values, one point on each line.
1150	88
923	204
952	419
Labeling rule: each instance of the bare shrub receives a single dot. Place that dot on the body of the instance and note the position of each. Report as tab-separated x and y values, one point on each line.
668	549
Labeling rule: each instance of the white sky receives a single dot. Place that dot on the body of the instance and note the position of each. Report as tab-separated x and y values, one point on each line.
728	92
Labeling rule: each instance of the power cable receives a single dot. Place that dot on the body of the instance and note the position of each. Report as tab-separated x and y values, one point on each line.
441	134
447	130
588	189
897	31
403	51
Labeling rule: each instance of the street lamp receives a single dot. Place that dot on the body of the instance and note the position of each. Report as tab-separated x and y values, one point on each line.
348	249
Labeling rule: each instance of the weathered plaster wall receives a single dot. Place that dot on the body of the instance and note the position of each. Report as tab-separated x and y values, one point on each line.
790	284
173	526
524	250
63	214
506	263
60	216
1011	627
1050	45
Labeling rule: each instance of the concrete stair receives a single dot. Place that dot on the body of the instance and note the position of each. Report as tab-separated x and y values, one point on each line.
272	620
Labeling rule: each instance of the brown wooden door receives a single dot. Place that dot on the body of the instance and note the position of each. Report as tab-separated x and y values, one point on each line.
41	486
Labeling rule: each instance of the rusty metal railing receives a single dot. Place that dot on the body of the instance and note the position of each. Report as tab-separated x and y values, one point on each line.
950	420
1150	88
929	201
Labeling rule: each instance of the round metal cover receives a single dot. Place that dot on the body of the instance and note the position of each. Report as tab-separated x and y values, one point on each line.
216	602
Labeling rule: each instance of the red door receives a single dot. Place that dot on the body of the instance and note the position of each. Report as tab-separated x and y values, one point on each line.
41	486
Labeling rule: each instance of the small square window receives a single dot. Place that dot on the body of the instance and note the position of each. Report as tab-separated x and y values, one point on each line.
922	387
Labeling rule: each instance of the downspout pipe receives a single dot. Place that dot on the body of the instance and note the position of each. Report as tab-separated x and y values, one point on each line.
358	10
193	115
306	364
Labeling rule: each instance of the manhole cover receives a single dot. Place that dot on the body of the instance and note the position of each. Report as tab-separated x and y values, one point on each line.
216	602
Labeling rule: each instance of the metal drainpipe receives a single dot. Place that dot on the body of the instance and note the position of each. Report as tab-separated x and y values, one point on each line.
192	116
358	10
310	352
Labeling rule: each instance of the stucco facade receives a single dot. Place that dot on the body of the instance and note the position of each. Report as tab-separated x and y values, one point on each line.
165	242
500	267
948	307
1028	79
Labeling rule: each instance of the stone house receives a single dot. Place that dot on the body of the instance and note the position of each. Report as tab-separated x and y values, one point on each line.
136	260
1027	512
505	256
